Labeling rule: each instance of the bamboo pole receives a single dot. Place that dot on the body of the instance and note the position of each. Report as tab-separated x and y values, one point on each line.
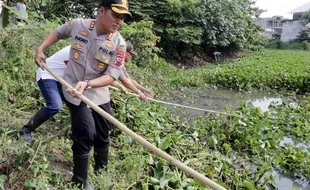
183	106
140	139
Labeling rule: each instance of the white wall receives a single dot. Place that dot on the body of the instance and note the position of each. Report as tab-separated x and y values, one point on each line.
290	30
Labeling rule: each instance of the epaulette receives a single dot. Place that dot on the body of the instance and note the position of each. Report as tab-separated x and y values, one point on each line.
92	25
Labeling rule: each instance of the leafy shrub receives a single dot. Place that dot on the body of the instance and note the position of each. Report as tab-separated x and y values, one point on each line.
290	45
306	45
141	36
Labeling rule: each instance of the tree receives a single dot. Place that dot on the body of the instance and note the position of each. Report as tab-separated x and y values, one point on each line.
258	12
305	18
5	16
196	25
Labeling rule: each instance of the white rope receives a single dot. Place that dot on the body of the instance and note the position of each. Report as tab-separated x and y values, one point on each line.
179	105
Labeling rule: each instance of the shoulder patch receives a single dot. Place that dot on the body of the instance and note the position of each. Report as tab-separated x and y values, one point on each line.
120	58
109	36
69	23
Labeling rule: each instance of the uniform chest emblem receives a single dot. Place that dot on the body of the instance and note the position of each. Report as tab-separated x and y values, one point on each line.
76	55
83	33
101	65
109	45
78	46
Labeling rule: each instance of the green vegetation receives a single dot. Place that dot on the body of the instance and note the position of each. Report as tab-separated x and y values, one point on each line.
264	70
238	153
301	43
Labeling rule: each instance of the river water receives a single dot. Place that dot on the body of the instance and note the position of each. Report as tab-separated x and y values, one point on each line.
219	100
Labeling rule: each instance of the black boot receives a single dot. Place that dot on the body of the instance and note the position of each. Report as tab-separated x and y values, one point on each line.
32	124
101	157
80	170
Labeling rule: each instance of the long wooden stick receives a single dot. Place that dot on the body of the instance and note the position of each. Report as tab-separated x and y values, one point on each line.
140	139
179	105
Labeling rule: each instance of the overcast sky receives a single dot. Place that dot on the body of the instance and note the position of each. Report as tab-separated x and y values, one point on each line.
279	7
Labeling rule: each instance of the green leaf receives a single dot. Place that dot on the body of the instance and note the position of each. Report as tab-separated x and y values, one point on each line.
29	184
248	185
163	181
213	140
166	142
2	180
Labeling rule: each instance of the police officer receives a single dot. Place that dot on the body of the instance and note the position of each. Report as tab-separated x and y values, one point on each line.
96	56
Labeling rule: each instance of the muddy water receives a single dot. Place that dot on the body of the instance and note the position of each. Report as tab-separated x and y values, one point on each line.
219	100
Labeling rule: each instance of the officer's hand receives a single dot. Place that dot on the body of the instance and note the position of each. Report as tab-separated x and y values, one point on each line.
71	92
39	58
78	89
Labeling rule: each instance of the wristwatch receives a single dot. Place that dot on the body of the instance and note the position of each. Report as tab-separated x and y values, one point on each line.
88	84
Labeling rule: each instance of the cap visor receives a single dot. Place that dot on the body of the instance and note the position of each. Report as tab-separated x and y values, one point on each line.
122	12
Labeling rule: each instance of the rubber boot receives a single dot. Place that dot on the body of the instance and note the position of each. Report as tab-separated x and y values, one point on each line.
101	157
80	170
32	124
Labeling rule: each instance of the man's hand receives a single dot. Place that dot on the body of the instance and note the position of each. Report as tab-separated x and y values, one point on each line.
78	89
142	96
123	89
40	58
148	93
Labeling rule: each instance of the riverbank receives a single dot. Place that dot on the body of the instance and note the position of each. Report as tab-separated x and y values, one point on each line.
237	152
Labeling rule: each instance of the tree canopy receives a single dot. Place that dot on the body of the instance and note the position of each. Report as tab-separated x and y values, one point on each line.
183	26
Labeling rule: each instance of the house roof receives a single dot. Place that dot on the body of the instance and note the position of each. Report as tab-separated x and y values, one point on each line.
301	9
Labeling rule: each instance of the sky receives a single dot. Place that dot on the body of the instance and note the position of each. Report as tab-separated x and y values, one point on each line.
279	7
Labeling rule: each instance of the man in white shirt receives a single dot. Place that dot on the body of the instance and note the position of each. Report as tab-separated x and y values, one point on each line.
2	2
129	82
51	90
